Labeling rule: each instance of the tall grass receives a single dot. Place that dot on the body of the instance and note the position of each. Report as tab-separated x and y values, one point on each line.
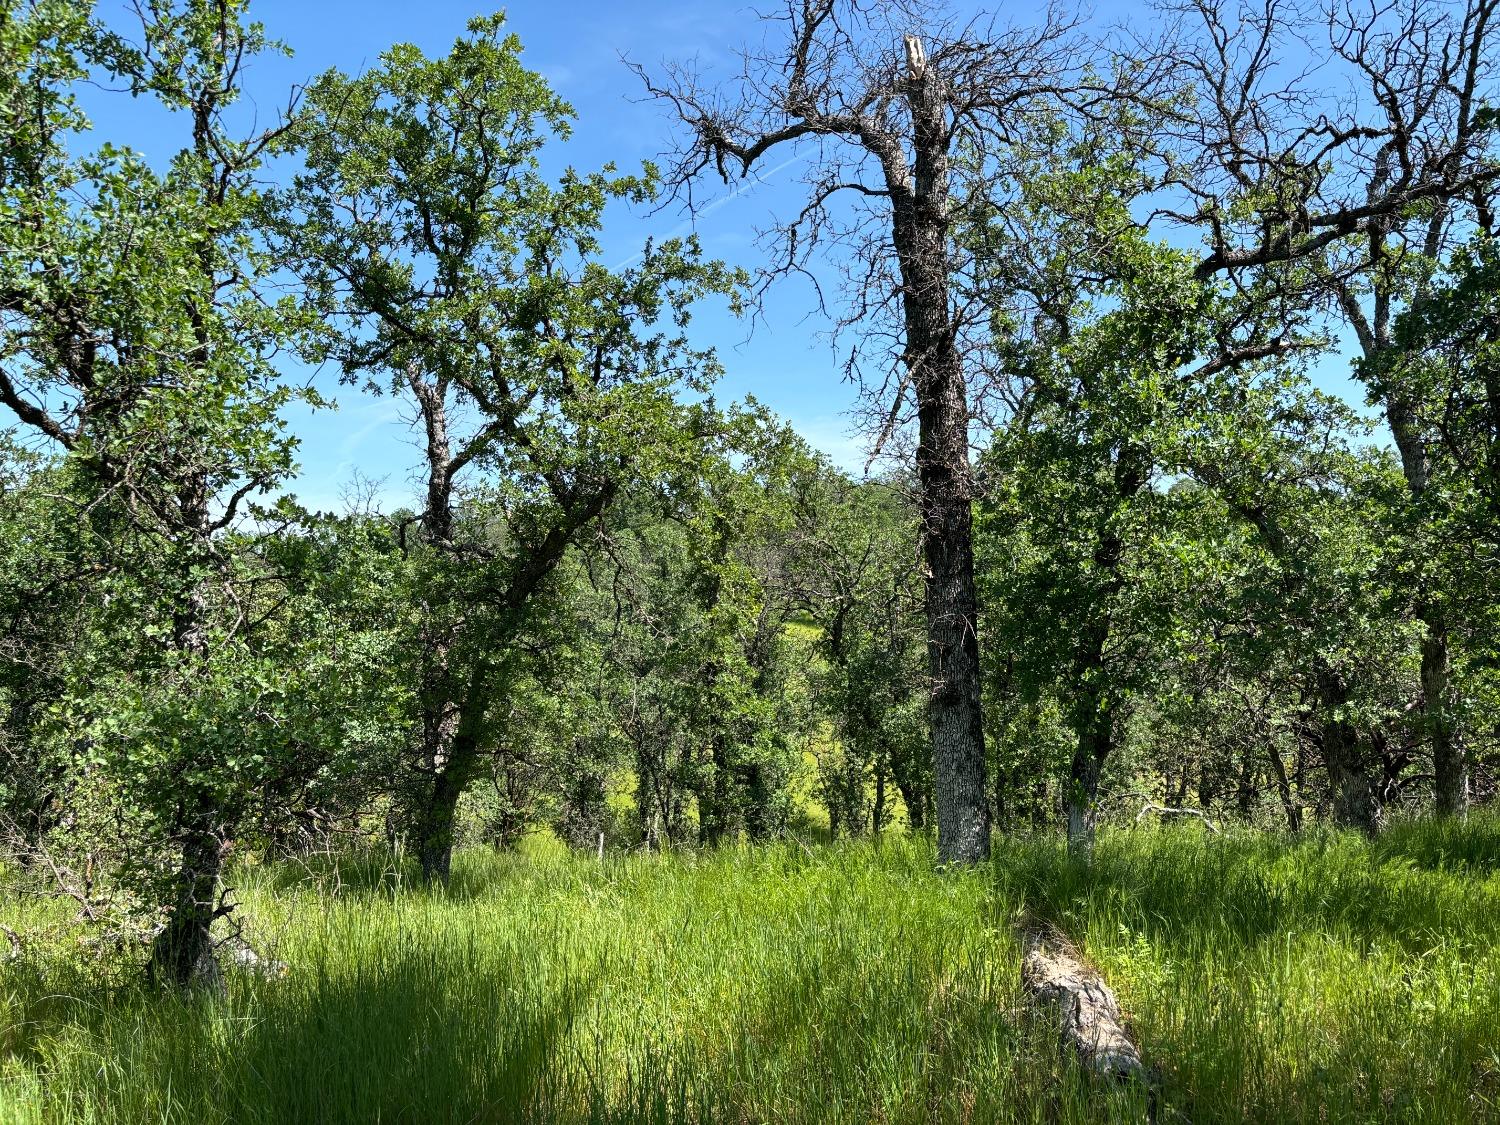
846	984
1268	979
1318	979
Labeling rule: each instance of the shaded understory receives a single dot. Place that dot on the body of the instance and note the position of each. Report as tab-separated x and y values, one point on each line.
1321	979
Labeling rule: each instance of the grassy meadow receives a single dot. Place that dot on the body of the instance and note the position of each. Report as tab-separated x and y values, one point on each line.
1268	979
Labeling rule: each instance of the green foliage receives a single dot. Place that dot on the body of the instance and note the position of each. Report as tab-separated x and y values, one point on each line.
445	268
424	227
1446	365
1089	555
1177	529
141	341
857	581
629	616
694	679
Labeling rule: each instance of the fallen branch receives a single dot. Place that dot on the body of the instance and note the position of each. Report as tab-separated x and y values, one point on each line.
241	956
1088	1013
1167	810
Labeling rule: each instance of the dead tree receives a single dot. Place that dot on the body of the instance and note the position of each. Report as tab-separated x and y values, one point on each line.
906	118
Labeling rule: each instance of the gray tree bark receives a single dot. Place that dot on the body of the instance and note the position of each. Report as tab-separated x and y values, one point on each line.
1087	1011
897	127
936	371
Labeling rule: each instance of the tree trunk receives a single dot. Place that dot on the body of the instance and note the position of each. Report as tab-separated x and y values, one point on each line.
1094	722
674	814
921	237
1245	793
1208	785
513	788
182	953
760	811
1095	740
1096	705
452	763
953	645
433	828
905	772
1355	804
1450	768
916	808
1088	1013
1284	789
583	813
651	799
1002	814
714	795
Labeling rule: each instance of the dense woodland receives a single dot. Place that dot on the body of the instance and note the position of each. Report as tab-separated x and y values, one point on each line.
1114	555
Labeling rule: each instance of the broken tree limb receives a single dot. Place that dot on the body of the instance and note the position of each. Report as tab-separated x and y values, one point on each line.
1168	810
1088	1013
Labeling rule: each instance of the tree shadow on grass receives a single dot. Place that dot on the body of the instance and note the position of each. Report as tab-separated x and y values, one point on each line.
1179	888
1470	845
419	1038
1254	1023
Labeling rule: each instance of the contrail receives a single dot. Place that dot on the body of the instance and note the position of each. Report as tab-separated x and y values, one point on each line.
748	185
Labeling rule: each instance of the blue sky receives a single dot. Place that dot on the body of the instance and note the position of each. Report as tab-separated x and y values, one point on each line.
786	359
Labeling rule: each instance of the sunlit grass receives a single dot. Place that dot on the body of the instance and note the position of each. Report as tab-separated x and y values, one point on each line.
1324	979
846	983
